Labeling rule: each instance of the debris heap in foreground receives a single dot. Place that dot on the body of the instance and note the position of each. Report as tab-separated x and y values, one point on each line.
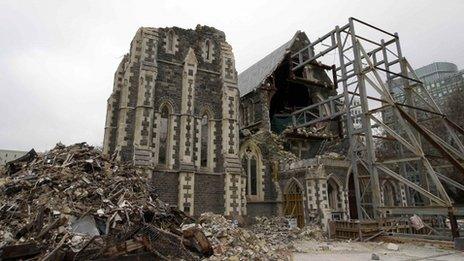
74	203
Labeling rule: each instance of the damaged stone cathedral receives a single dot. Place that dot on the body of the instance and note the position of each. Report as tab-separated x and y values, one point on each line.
215	141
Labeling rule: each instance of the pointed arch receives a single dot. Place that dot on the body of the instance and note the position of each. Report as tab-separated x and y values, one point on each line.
251	158
206	140
293	201
351	193
390	192
333	192
335	179
293	186
164	133
208	50
325	107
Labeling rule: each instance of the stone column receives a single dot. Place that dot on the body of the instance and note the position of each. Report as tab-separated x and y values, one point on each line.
323	202
233	194
230	132
113	103
172	144
124	110
243	195
187	116
148	72
186	192
110	125
311	191
403	201
345	206
342	198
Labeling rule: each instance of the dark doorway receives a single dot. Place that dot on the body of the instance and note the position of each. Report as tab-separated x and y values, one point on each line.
352	198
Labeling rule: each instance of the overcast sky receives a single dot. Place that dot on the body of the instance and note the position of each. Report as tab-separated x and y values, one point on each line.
57	58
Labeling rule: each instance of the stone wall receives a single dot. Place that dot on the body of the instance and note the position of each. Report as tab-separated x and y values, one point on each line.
211	198
257	209
166	185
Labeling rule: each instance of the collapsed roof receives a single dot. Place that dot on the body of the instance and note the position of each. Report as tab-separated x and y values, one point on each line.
251	78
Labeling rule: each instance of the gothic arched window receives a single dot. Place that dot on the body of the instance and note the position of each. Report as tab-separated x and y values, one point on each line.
208	50
170	41
164	133
250	165
205	137
253	173
332	192
389	197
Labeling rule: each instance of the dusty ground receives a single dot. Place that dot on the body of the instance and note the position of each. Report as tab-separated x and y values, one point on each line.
314	250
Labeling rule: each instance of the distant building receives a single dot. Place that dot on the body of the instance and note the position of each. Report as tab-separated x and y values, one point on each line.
440	79
9	155
436	71
356	112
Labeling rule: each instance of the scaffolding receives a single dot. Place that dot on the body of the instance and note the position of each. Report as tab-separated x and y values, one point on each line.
364	66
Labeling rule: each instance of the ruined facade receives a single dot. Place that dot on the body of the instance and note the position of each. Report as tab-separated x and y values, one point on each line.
174	112
298	173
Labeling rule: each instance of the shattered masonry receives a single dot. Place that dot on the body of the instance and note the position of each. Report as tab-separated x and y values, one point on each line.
73	203
299	173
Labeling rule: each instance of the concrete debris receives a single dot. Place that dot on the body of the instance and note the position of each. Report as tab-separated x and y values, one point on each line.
266	239
231	242
333	155
316	132
278	230
74	203
416	222
393	247
274	143
374	256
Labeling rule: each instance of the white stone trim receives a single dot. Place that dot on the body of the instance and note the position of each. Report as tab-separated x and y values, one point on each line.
198	143
172	142
312	196
108	125
187	109
213	144
403	199
155	140
227	194
183	181
243	202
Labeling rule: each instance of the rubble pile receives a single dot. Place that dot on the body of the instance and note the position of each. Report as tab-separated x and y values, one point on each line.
274	143
317	132
73	203
277	231
231	242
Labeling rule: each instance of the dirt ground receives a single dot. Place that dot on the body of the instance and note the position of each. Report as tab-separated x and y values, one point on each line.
339	250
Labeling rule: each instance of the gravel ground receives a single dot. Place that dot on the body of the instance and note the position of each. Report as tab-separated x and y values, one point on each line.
317	250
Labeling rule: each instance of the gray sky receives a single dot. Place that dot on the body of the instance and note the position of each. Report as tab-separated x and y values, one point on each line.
57	58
